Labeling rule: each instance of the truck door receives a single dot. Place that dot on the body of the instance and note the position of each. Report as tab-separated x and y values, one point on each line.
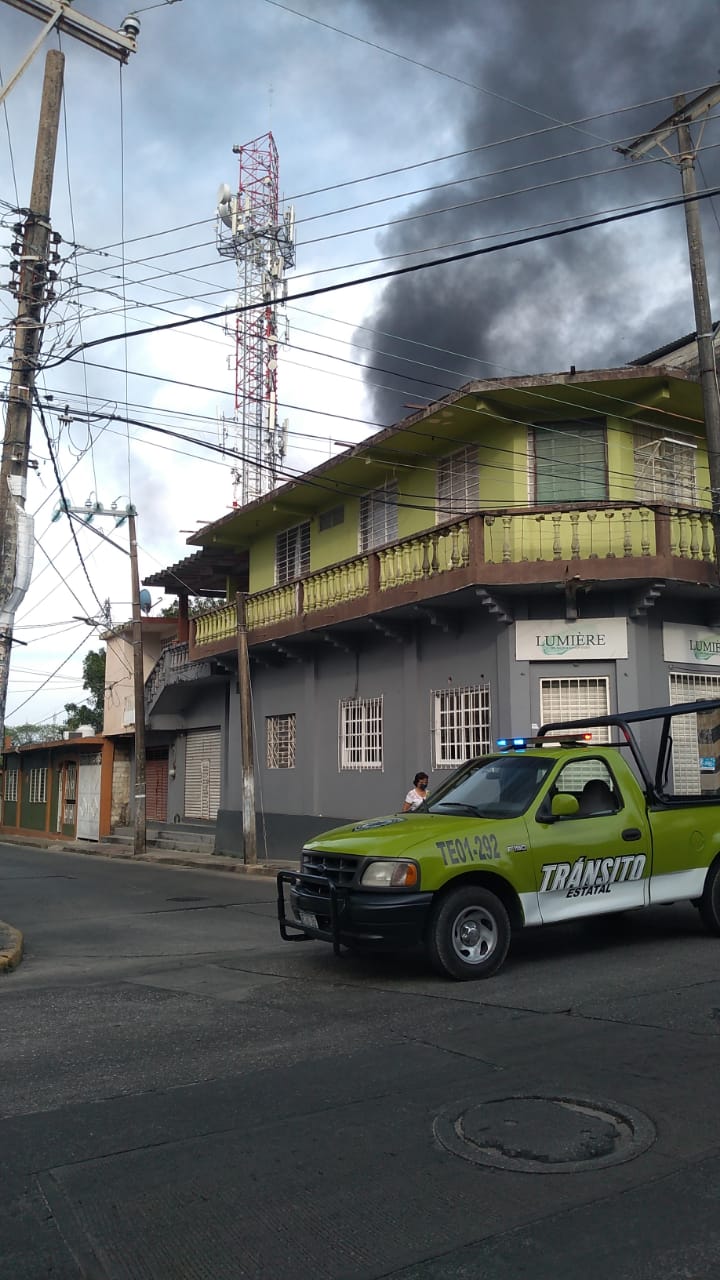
597	860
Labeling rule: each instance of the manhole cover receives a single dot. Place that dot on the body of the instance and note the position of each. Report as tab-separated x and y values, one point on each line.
534	1134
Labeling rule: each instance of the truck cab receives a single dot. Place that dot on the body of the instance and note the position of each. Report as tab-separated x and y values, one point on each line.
546	829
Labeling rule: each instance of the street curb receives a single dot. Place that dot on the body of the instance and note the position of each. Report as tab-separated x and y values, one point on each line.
157	857
11	947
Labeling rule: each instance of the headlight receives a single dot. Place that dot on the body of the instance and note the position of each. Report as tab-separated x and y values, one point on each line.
390	875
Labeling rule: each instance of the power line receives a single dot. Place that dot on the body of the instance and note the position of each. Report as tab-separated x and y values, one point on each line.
673	202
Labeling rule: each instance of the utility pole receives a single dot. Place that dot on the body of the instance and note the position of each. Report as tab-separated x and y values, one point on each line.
139	831
246	737
16	527
679	122
85	516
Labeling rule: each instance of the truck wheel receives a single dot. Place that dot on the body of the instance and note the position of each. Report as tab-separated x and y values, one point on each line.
469	934
709	904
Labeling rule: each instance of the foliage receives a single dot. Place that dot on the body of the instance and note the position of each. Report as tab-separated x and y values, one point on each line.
90	712
21	734
196	605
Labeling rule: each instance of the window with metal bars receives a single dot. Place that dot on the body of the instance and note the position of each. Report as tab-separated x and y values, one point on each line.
280	741
664	469
11	778
458	483
292	553
361	733
379	516
461	724
570	462
37	786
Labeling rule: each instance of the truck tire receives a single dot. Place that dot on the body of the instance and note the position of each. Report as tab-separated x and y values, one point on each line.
468	934
709	904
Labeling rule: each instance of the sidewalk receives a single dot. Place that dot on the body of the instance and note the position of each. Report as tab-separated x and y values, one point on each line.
159	857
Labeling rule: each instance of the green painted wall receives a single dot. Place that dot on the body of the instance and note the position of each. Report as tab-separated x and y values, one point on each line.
33	816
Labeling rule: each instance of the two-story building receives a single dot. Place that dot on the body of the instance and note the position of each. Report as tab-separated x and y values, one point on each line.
524	549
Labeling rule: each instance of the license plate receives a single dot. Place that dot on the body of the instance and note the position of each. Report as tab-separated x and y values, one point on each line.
307	918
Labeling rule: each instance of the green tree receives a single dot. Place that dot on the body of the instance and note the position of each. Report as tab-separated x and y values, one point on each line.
90	712
21	734
196	604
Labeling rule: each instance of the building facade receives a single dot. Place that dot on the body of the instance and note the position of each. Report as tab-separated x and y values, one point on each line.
524	550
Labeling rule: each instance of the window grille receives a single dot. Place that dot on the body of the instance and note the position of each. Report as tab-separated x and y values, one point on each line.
570	462
292	553
11	778
361	733
280	741
37	788
379	517
461	724
665	469
458	483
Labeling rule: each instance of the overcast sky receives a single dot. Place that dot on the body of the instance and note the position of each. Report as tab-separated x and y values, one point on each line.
508	125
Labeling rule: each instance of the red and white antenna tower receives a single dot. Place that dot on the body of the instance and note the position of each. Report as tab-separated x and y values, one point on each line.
253	229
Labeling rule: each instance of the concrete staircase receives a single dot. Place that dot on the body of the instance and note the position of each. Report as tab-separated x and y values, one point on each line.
184	837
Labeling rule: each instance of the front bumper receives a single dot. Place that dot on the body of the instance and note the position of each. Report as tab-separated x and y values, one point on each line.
344	915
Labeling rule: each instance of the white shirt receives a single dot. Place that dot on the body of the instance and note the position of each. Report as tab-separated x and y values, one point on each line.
415	798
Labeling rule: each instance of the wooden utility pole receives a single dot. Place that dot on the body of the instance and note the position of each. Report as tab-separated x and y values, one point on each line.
16	529
684	114
140	830
246	737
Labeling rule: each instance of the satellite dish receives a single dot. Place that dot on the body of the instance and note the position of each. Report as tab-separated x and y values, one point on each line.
145	600
224	193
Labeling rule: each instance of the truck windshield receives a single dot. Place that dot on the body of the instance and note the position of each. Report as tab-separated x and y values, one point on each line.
499	787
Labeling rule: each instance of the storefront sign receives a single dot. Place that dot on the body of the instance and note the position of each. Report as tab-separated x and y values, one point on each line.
682	643
548	639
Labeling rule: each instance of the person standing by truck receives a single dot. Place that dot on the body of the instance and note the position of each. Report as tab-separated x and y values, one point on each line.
417	793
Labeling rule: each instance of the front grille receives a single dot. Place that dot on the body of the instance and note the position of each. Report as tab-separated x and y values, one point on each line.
336	867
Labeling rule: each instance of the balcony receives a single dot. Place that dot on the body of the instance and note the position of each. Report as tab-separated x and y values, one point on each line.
617	545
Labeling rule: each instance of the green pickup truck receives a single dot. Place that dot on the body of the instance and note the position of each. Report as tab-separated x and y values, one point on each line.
546	829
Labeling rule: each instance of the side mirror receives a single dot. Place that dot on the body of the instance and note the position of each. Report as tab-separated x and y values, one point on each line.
564	805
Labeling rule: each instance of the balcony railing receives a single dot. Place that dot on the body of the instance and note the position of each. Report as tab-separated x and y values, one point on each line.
496	548
173	657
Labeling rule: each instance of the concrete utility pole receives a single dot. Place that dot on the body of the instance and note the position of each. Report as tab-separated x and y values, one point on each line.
85	516
246	737
16	528
679	122
140	830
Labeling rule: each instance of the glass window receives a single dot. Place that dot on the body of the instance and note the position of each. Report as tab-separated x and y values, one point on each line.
496	787
379	517
11	778
292	553
461	724
570	462
361	737
37	793
458	483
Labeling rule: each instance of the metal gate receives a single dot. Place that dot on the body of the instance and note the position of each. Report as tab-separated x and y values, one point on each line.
156	786
202	774
88	800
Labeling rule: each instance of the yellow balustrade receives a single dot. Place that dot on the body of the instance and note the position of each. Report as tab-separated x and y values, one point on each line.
268	607
221	624
607	533
336	584
425	555
691	534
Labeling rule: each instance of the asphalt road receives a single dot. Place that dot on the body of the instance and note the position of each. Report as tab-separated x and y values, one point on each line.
185	1097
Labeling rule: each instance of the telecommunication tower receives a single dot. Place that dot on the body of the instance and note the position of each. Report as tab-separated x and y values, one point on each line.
253	229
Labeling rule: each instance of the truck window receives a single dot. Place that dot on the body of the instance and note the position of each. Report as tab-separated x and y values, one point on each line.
499	787
592	784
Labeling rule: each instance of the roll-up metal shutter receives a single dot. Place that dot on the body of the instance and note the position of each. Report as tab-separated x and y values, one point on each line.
202	774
